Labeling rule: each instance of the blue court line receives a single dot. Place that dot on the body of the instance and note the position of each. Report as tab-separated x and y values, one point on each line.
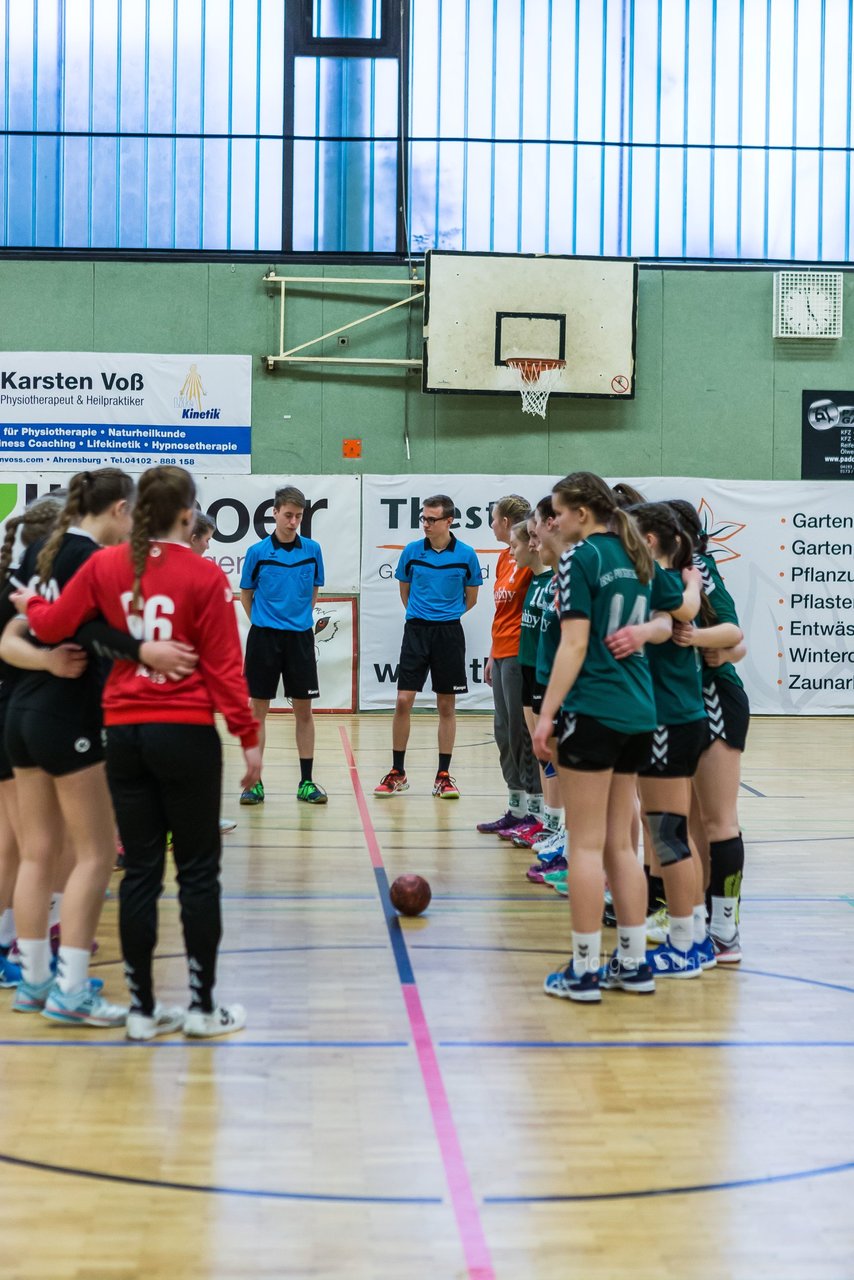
646	1044
789	977
753	791
249	951
255	1194
652	1192
205	1044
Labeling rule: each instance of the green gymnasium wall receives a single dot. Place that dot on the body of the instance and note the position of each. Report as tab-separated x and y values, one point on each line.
716	395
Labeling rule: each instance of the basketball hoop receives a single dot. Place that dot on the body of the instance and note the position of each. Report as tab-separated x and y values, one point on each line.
535	379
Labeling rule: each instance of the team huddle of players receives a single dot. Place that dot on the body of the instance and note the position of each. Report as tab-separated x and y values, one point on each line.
613	643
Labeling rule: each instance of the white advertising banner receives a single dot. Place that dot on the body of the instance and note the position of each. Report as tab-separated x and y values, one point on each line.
80	409
391	506
784	548
242	507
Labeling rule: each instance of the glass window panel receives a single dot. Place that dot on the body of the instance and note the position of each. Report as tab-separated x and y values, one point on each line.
19	71
243	195
782	70
779	205
133	38
837	49
19	184
355	197
808	82
189	63
272	90
670	204
105	61
806	205
724	56
270	197
755	80
217	65
160	195
188	206
131	194
244	72
833	189
48	201
215	189
347	19
161	51
752	208
697	203
76	68
725	240
533	198
673	72
105	167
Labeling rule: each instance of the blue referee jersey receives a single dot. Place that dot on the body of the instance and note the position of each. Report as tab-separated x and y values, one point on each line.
438	579
283	576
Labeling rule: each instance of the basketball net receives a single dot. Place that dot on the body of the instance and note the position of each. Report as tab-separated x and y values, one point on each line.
535	379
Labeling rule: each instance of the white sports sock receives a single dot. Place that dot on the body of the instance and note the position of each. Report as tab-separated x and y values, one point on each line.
552	817
725	918
632	943
7	928
73	970
700	931
55	909
534	803
516	803
682	932
585	952
35	960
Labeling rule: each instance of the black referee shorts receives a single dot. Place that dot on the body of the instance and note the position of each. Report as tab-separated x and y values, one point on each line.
273	655
435	647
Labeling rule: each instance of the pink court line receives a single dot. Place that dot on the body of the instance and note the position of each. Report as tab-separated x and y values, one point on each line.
469	1224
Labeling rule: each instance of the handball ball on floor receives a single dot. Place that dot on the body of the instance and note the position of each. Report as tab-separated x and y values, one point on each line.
410	895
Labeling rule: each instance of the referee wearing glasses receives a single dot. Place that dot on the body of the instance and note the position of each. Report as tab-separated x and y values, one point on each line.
439	578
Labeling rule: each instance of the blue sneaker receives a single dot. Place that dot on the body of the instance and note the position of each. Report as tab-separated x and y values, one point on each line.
10	973
668	962
567	985
85	1008
705	952
618	975
30	997
555	851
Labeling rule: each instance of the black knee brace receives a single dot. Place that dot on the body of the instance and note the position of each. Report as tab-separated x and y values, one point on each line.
669	832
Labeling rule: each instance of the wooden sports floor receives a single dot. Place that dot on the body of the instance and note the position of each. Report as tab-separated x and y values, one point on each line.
406	1104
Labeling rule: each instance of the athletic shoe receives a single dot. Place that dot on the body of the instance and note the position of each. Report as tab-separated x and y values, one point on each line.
310	793
393	782
221	1022
567	985
536	874
555	878
540	872
522	827
669	962
623	976
548	855
527	839
120	857
84	1008
549	839
506	822
727	952
30	997
253	795
10	973
226	825
162	1022
705	953
445	787
658	926
561	887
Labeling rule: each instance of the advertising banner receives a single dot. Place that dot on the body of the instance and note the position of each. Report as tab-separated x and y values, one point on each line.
784	548
827	435
79	409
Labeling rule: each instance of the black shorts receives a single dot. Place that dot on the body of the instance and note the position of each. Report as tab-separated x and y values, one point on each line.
676	749
589	746
36	739
728	709
289	656
530	686
435	647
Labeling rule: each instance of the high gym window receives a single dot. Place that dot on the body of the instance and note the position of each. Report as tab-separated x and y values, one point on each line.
708	129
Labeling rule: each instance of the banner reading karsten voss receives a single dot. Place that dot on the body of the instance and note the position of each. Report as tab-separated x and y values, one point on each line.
88	409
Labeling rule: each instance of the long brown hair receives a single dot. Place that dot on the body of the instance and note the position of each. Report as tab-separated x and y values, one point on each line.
163	493
584	489
90	493
34	522
660	518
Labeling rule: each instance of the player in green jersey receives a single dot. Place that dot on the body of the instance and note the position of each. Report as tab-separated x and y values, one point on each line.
718	777
605	730
680	738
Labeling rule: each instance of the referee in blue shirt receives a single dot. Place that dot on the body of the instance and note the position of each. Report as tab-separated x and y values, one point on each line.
439	578
278	589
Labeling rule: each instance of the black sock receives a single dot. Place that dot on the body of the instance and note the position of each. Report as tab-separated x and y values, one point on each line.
305	766
397	760
727	866
655	894
444	762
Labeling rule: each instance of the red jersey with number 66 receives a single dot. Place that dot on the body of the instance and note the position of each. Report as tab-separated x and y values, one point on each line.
183	598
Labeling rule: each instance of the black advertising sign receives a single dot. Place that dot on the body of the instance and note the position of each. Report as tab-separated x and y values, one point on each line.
827	435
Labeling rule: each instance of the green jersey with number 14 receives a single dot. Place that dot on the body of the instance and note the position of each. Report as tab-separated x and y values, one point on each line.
597	580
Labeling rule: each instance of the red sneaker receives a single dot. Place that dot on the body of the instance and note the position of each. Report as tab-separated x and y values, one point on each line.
393	782
445	787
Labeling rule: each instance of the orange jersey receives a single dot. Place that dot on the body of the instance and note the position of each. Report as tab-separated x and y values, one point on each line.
511	584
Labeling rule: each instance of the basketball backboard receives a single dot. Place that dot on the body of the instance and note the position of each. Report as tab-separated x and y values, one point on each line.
482	308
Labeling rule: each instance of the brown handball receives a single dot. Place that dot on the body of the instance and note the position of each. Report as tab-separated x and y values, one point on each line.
410	895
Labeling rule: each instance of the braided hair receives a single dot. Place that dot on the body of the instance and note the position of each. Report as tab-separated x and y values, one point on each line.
34	522
584	489
90	493
163	493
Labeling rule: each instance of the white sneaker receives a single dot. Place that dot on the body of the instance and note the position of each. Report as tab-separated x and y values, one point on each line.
163	1022
550	841
221	1022
226	825
658	926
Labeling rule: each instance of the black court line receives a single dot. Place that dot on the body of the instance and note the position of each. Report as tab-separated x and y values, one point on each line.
250	1192
754	792
652	1192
